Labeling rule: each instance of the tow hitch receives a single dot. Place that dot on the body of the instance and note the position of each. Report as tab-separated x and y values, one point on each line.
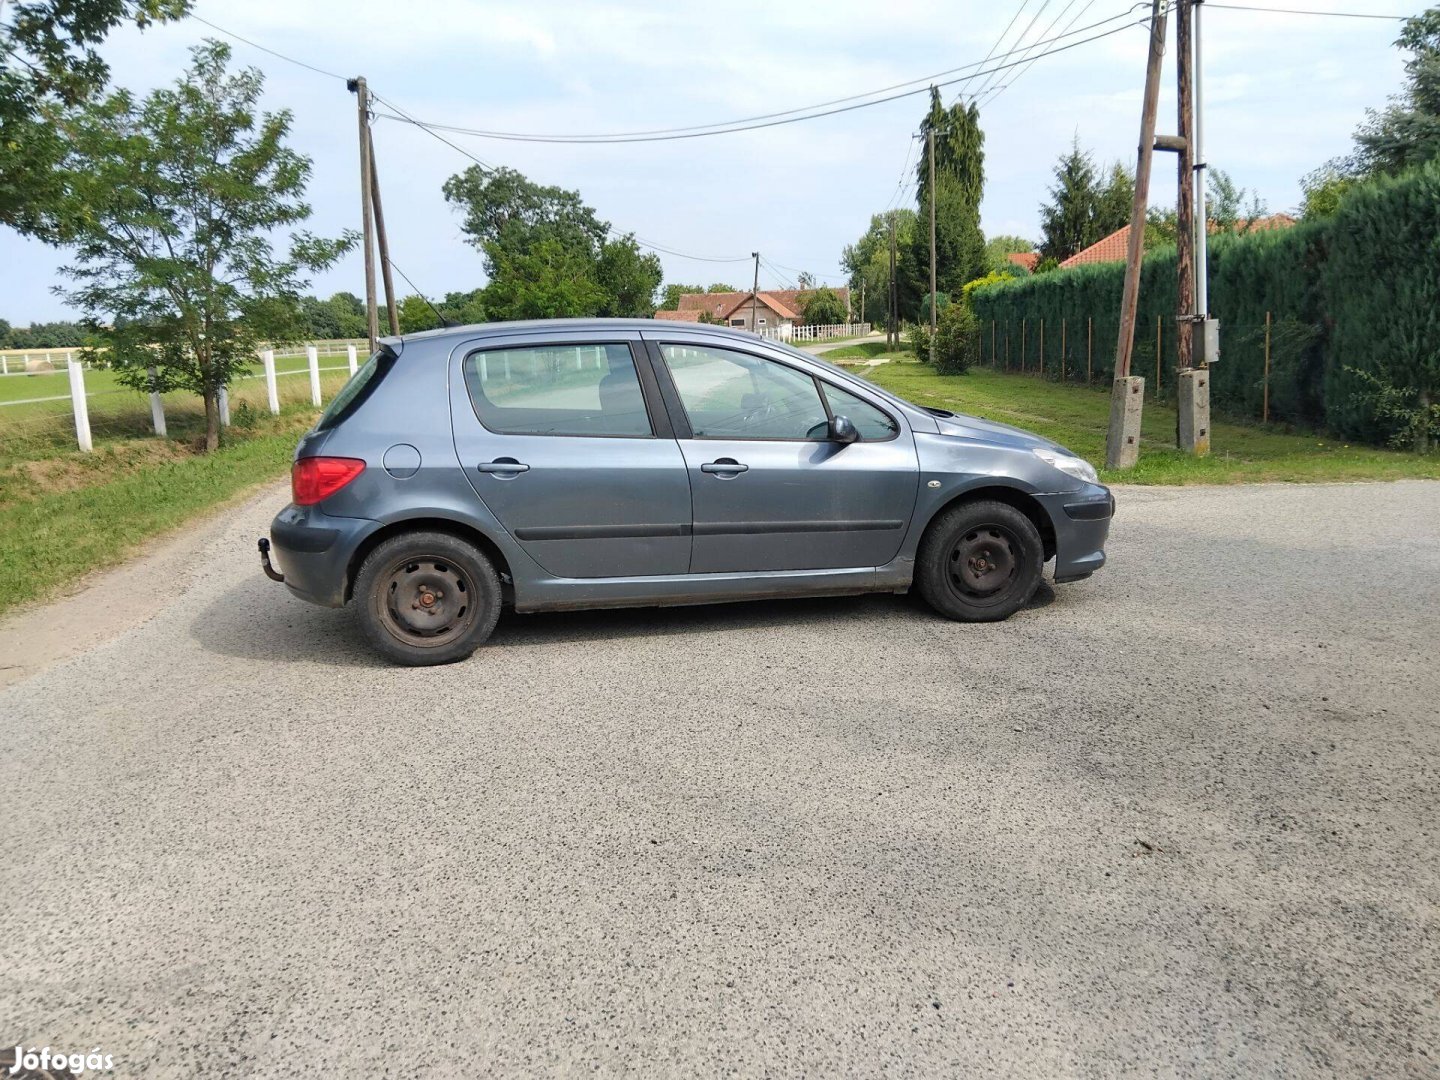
270	571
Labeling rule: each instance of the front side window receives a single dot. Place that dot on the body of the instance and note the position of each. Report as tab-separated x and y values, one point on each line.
873	425
557	390
733	395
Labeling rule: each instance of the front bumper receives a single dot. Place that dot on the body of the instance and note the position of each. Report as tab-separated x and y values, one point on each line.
314	551
1082	525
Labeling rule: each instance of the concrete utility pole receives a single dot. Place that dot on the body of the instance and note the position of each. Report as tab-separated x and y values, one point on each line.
385	275
930	136
1192	388
1122	443
1192	383
755	294
362	104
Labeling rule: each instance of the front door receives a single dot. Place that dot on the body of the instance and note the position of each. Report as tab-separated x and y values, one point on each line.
770	492
565	441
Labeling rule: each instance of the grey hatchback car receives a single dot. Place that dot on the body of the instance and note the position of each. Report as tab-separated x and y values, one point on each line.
612	463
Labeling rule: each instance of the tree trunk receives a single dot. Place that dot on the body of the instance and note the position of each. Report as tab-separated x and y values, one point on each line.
212	421
1422	433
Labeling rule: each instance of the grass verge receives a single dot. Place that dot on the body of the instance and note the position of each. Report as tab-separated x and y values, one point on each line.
1076	417
863	350
68	515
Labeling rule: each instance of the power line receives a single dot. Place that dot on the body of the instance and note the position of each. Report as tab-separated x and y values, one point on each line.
1303	11
814	114
267	49
1018	12
1053	23
1023	34
1021	73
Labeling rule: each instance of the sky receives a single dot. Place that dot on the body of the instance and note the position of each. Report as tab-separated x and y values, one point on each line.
1282	94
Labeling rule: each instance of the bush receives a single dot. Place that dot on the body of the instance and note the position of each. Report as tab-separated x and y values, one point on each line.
957	340
919	338
942	301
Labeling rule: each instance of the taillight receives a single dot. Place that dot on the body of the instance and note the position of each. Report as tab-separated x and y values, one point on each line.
315	479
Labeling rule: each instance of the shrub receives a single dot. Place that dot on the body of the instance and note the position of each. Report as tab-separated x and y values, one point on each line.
957	340
918	336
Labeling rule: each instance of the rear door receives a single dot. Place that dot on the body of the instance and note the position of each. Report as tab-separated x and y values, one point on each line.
565	440
770	492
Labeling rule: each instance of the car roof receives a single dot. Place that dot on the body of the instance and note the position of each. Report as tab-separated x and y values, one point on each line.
570	325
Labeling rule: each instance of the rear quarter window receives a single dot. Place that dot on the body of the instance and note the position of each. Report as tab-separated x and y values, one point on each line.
353	394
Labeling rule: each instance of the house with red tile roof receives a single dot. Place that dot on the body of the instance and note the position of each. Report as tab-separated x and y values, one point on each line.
775	310
1112	248
1027	260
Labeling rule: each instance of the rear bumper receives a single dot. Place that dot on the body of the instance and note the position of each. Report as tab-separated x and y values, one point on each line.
314	551
1082	525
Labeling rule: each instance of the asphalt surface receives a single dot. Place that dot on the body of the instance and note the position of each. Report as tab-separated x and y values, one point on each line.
1178	820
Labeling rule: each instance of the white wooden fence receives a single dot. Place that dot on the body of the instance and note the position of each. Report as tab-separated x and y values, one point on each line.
79	402
815	333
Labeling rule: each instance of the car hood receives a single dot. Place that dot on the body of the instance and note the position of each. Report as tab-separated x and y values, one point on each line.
961	426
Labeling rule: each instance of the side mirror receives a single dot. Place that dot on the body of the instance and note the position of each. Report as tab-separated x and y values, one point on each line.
843	431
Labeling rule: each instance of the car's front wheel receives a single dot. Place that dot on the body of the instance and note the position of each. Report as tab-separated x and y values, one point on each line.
979	561
427	598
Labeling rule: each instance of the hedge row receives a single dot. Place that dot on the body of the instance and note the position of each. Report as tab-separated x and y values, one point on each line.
1359	290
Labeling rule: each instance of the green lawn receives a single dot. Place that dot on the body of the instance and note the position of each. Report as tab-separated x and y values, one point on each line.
66	515
864	350
1076	417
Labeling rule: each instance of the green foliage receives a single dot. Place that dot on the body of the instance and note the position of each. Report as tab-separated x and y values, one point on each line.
547	254
175	200
998	249
51	65
1082	210
721	287
942	301
918	337
1351	295
1406	132
823	307
465	308
1413	420
48	335
1226	205
1323	189
670	295
416	315
867	261
959	186
992	278
957	340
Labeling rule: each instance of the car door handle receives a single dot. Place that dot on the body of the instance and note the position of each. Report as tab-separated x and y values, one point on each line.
503	466
724	467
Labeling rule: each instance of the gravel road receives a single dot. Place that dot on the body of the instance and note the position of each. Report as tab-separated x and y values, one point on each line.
1178	820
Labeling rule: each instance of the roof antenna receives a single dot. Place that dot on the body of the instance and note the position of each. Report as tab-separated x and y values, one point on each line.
444	322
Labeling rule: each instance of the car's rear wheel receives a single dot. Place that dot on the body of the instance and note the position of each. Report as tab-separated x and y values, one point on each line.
427	598
979	561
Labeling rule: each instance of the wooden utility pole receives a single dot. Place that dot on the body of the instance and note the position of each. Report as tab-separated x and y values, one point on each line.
930	152
862	300
385	275
755	294
362	105
1122	443
892	335
1185	199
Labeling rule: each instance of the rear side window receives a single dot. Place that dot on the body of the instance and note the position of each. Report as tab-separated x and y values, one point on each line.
557	390
353	394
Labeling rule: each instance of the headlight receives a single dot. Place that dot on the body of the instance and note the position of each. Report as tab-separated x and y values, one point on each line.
1069	464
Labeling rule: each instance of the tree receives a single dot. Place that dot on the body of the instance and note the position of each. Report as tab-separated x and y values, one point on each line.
823	307
805	280
960	184
51	66
1407	131
998	250
416	314
465	308
629	279
721	287
181	194
547	254
1323	189
1114	202
867	261
670	296
1067	222
1225	204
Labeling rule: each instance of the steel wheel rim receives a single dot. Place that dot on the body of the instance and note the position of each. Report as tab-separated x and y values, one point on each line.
983	564
427	601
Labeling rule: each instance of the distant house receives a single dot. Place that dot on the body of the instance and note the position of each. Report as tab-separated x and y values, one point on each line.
1112	248
1027	260
776	311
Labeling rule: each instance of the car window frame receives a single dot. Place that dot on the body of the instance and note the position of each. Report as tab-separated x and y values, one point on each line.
680	418
655	410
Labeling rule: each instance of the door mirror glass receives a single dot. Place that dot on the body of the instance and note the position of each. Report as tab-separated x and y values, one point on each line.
843	431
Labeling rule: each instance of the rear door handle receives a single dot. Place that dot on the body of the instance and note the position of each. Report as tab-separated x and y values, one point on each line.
503	466
724	467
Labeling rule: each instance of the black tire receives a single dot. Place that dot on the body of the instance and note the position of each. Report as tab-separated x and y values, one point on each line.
979	561
427	598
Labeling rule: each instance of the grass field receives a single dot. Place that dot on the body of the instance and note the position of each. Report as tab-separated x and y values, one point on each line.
1076	417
